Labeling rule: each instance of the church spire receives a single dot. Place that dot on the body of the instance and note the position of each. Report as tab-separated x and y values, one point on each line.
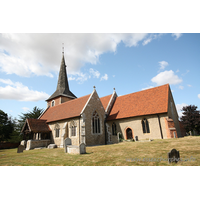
62	85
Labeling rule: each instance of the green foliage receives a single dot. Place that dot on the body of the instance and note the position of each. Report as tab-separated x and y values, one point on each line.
191	118
6	126
31	114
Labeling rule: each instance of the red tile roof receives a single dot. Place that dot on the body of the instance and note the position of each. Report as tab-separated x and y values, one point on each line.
65	110
105	100
146	102
38	126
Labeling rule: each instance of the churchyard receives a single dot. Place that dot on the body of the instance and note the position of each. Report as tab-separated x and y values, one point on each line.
141	153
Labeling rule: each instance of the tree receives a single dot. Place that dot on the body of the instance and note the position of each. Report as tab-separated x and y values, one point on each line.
6	126
31	114
191	118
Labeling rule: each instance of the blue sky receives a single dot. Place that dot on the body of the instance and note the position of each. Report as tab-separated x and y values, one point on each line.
29	66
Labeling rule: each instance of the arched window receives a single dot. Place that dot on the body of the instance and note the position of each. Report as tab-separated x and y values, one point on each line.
73	128
57	130
95	123
114	129
145	126
53	103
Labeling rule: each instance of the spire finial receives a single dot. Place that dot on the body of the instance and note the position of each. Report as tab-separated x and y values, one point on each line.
113	88
63	48
94	87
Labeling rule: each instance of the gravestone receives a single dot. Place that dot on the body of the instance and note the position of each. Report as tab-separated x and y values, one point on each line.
82	148
23	142
20	149
173	156
52	146
67	142
136	138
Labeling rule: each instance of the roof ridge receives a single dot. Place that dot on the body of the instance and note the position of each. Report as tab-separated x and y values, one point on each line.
143	90
69	101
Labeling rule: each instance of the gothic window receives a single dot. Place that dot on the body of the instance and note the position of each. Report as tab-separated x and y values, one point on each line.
53	103
73	128
145	126
95	123
57	130
114	129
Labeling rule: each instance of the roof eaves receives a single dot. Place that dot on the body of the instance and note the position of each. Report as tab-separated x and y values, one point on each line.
114	93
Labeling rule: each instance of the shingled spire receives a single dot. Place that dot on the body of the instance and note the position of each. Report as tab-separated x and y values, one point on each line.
62	86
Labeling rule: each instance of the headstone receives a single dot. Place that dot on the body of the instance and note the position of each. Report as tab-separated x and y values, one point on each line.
173	156
23	142
82	148
67	142
20	149
52	146
136	138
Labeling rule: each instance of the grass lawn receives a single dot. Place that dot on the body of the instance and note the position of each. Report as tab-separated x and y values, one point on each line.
122	154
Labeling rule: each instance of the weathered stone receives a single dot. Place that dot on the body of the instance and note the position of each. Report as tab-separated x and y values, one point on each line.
73	149
52	146
20	149
67	141
136	138
23	142
82	148
173	156
32	144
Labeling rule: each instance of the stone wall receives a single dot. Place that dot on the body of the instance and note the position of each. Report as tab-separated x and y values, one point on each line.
94	104
31	144
135	124
9	145
172	112
65	131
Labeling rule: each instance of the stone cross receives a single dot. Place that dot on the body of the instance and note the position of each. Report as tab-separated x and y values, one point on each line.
20	149
173	156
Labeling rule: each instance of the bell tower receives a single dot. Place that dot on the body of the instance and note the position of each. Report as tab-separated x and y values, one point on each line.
62	93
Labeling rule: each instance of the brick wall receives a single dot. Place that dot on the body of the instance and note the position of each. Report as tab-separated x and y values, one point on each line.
9	145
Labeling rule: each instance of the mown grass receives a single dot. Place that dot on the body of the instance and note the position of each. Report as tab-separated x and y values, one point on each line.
122	154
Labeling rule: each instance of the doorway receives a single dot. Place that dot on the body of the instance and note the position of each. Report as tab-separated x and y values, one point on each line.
129	134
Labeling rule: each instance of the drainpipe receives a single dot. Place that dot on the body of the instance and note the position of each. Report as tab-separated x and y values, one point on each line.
160	127
105	129
79	130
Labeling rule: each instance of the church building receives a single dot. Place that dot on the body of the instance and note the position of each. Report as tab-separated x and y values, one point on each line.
147	114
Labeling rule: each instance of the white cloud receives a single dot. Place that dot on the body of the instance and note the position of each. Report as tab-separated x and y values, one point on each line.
17	91
179	108
71	78
181	87
150	38
166	77
105	77
177	35
147	88
25	109
189	85
95	73
199	96
163	64
40	54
